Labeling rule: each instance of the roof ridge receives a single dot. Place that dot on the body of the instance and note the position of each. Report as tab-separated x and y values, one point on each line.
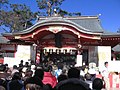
83	17
69	17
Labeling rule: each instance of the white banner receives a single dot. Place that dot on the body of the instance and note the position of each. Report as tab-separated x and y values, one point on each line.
104	54
79	61
23	52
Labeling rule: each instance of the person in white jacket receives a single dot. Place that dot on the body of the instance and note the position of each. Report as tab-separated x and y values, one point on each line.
105	74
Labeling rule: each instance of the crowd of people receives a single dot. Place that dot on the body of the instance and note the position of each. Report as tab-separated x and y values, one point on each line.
48	76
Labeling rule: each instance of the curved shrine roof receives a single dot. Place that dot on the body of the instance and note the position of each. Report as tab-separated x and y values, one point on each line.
83	23
89	25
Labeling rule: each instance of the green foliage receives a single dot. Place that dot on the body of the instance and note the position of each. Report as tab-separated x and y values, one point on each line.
49	5
19	16
3	2
65	13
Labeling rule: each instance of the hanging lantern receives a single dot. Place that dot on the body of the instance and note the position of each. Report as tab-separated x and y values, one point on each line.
54	50
51	51
45	51
57	51
70	51
64	51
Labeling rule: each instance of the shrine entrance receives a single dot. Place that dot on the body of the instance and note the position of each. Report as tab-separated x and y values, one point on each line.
67	57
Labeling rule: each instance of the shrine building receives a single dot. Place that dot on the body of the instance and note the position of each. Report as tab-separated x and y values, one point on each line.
80	39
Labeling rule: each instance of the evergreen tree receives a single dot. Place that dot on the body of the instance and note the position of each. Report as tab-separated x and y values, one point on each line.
49	5
19	17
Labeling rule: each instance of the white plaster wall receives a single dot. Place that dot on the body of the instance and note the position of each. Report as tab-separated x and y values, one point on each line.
104	54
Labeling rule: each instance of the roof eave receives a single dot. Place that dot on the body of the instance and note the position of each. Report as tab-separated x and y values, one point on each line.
49	22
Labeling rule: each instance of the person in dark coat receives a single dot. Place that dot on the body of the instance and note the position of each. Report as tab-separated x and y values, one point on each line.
73	82
16	82
62	77
4	76
97	84
36	79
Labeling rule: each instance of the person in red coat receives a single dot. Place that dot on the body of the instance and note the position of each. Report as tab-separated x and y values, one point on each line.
48	78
